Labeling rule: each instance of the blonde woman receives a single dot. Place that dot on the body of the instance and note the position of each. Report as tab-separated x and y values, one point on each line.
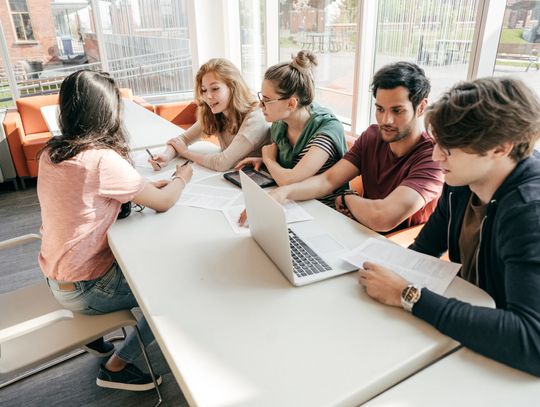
226	109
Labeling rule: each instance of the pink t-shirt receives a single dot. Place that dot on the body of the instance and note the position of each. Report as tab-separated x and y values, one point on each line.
80	199
382	171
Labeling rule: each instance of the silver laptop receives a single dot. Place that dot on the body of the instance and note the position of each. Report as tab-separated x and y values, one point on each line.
303	251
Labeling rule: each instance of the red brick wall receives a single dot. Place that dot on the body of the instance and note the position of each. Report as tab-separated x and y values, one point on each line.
43	25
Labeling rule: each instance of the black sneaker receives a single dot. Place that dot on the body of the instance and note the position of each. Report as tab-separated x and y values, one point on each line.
100	347
129	378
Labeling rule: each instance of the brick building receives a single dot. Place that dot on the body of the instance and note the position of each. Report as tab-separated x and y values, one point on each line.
34	42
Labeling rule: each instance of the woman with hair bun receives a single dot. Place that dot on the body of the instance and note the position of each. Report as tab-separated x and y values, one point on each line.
307	139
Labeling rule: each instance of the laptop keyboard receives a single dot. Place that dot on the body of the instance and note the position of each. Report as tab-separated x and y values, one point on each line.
305	261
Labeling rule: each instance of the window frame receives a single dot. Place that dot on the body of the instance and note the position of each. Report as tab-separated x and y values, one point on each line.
19	14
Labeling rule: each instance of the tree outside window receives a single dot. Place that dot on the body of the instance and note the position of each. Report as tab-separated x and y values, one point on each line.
21	20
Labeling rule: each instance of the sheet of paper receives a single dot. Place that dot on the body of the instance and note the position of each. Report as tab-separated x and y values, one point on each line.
421	269
140	161
199	173
140	157
293	213
208	197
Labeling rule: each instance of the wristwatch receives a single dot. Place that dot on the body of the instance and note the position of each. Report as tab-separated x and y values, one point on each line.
410	296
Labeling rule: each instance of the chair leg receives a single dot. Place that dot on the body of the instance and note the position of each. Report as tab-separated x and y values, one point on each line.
147	360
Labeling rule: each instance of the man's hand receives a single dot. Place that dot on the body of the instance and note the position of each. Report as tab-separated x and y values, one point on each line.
280	194
382	284
342	207
242	218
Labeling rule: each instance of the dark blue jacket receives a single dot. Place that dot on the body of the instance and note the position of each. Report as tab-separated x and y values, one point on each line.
508	270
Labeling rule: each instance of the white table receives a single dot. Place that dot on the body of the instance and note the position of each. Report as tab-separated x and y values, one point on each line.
145	129
235	332
463	378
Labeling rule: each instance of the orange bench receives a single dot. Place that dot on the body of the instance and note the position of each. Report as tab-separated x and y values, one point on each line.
27	132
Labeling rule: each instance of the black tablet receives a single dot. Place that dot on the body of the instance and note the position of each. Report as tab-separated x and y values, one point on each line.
261	180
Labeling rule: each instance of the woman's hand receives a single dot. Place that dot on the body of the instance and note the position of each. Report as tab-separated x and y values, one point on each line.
180	146
382	283
270	152
254	162
280	194
160	161
184	172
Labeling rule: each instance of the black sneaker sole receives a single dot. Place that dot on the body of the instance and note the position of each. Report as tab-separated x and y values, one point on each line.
126	386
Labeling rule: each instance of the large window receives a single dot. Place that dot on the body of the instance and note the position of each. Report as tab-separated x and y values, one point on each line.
328	28
253	41
437	35
518	54
21	20
144	44
6	96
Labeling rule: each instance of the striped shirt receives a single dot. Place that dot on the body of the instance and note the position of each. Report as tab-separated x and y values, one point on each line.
326	144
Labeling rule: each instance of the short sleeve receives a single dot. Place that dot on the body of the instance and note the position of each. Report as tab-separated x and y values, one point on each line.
118	180
426	177
355	153
325	143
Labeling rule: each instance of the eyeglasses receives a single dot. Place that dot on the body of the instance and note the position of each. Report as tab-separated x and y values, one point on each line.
267	102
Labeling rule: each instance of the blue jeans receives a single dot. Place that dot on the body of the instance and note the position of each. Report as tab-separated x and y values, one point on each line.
106	294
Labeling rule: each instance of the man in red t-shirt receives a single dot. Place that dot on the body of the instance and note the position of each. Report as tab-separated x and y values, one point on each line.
401	182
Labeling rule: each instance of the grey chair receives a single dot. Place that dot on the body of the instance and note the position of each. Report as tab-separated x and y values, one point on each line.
35	329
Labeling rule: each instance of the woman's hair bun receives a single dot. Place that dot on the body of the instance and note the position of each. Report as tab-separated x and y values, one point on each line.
304	60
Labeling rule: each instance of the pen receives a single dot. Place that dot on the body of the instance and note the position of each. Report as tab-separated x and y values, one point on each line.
152	157
183	165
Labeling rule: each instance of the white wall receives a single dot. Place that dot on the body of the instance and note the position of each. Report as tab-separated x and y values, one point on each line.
214	26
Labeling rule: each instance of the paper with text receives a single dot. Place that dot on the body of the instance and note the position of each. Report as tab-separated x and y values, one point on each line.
208	197
293	213
426	271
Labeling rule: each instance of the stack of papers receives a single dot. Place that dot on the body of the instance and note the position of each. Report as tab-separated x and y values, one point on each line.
426	271
229	200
